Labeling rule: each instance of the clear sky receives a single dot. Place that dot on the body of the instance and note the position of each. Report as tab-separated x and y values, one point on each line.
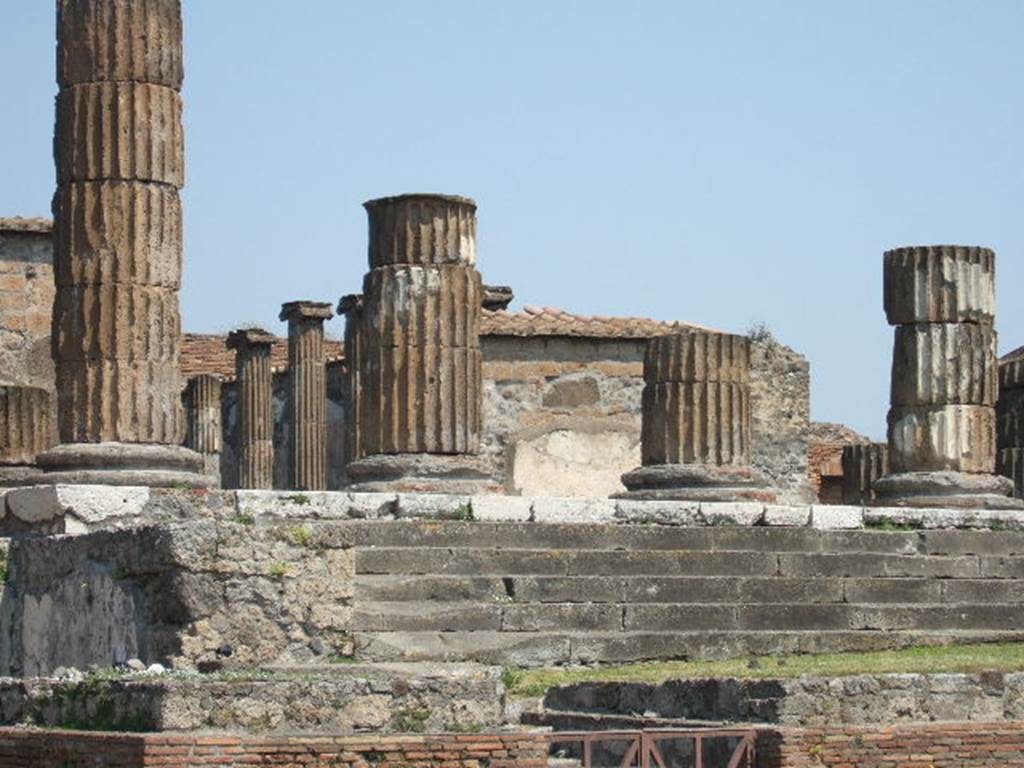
722	162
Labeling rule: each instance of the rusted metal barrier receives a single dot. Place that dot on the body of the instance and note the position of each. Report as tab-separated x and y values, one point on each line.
644	748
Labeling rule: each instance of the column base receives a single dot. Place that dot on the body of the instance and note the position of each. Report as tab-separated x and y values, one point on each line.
945	489
695	482
153	465
14	475
422	473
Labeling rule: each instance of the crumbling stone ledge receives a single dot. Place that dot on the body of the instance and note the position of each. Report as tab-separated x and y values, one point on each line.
78	509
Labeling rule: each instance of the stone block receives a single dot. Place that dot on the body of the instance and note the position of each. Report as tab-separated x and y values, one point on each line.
85	505
439	506
825	517
556	510
325	505
495	508
658	512
731	513
793	515
537	618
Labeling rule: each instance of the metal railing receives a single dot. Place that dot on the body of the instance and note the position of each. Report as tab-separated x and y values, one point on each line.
644	748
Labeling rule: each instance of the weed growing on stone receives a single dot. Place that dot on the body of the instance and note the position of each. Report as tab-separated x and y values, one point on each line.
3	566
412	720
298	498
301	536
890	525
243	519
277	570
463	512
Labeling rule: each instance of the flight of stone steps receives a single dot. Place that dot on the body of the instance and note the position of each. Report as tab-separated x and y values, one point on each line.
539	594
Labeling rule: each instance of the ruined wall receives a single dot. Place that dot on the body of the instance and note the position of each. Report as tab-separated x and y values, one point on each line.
26	301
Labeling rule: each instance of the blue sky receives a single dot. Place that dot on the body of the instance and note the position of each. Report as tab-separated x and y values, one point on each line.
723	162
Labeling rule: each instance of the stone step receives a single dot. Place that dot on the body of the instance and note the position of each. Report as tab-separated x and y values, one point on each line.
671	617
531	649
603	536
683	589
663	562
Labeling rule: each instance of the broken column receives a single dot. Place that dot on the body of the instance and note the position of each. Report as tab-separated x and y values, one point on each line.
26	431
255	449
118	246
419	363
1010	421
942	426
695	438
204	433
863	463
307	394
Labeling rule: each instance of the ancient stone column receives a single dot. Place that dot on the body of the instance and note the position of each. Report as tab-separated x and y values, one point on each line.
1010	422
255	448
119	154
351	307
942	426
26	430
419	363
307	394
202	415
695	438
862	465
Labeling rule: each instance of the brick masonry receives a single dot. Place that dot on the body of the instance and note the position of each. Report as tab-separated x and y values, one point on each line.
73	749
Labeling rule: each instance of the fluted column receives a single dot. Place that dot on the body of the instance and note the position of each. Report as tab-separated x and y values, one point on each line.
307	394
942	421
695	438
25	432
204	433
419	362
119	152
863	463
255	448
351	307
1010	423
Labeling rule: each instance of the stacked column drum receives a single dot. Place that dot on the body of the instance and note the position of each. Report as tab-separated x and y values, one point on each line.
941	425
696	421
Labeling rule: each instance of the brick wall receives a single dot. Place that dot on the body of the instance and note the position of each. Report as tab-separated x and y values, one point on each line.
76	749
939	745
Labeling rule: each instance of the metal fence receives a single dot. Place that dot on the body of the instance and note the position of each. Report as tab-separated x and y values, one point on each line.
669	748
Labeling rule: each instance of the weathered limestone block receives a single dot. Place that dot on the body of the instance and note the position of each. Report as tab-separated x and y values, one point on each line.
862	466
944	364
255	417
307	399
116	232
696	422
960	438
132	131
939	284
119	40
422	229
698	357
695	435
118	400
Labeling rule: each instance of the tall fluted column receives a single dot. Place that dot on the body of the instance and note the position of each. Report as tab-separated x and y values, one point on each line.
1010	423
255	448
942	426
25	432
351	306
695	438
419	359
119	152
204	433
307	394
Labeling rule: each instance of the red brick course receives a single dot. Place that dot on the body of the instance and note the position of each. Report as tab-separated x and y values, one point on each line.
937	745
37	748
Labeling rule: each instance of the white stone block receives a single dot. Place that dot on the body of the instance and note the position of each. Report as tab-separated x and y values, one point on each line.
88	504
318	505
793	515
440	506
658	512
732	513
495	508
550	509
827	517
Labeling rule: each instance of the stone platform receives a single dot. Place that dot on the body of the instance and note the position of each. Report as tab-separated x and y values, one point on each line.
244	580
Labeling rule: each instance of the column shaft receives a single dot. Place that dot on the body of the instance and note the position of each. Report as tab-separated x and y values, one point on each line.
255	407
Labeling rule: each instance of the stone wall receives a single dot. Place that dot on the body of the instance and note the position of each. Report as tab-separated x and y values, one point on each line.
26	301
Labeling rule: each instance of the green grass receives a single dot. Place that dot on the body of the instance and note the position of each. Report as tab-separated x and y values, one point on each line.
1009	657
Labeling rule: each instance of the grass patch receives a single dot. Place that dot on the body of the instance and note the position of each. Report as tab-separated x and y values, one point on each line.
277	570
243	519
1007	657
